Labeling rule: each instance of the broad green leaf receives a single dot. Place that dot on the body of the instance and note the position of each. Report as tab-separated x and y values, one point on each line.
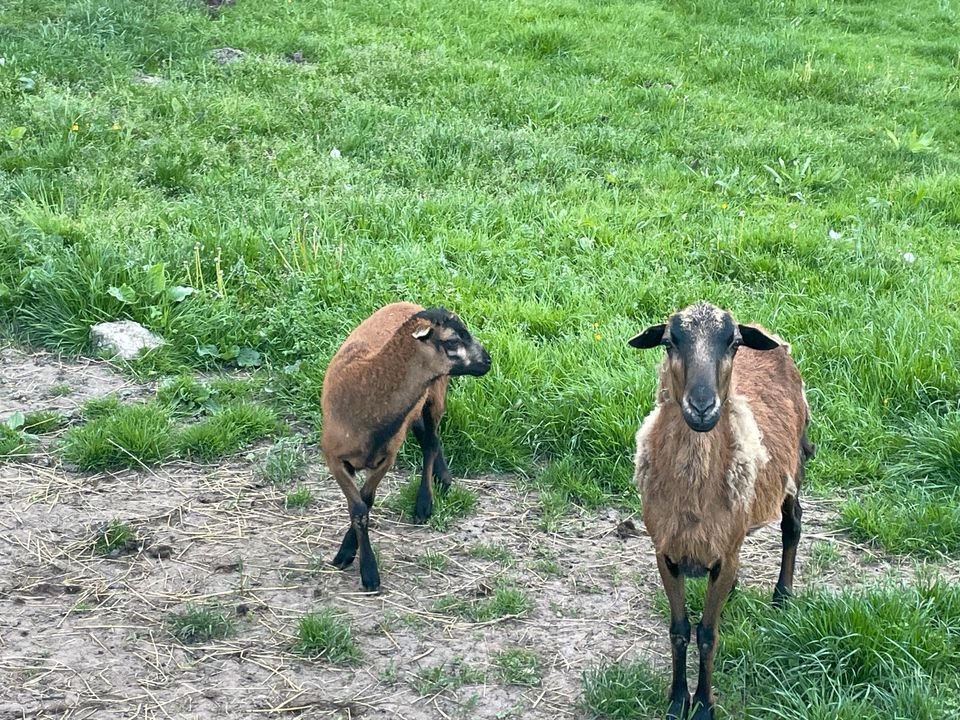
16	420
248	357
124	293
155	281
178	293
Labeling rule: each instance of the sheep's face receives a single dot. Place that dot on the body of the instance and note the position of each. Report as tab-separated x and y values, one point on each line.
701	341
447	338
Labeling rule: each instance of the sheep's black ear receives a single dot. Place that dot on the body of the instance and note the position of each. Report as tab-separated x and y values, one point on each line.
423	332
757	339
651	337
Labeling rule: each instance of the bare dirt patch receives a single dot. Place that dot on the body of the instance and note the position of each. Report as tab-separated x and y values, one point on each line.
83	636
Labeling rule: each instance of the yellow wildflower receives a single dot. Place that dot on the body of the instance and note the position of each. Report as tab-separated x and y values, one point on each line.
723	206
74	127
596	336
115	126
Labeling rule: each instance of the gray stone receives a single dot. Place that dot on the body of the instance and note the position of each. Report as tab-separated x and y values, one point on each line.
123	338
226	54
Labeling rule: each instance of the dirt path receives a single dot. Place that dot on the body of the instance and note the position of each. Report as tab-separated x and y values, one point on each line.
85	637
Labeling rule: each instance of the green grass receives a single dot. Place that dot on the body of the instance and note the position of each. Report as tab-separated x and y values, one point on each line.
437	678
323	636
431	560
498	553
518	666
200	624
227	430
13	443
300	497
125	436
887	652
117	435
456	503
503	602
114	537
100	407
40	422
797	162
284	462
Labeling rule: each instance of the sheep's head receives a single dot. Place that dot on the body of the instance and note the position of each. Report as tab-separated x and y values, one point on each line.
449	340
701	341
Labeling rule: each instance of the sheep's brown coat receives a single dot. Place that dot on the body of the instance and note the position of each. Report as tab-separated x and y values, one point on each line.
721	452
702	492
390	376
365	397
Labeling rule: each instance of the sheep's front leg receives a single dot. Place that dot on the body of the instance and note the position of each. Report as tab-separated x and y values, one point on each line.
722	577
425	430
679	637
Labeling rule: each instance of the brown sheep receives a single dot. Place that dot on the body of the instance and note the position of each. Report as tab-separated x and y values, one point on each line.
390	376
721	453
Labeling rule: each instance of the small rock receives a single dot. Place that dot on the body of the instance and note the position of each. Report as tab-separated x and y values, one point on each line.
124	338
161	552
627	529
148	79
226	55
296	57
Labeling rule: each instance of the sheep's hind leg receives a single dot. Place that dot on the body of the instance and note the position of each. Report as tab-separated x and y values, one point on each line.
679	637
359	520
344	474
722	577
425	430
791	514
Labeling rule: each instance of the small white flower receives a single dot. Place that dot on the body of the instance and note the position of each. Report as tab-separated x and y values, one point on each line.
335	154
347	186
834	235
3	61
909	257
793	226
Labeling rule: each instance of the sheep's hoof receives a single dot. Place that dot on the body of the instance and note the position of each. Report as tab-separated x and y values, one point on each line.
780	596
342	563
370	578
679	708
704	712
347	551
423	509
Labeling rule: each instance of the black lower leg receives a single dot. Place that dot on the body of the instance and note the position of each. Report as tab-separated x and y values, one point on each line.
440	470
369	575
791	514
702	702
347	551
426	434
679	695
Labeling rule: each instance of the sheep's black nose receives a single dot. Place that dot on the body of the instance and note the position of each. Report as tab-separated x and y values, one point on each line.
702	404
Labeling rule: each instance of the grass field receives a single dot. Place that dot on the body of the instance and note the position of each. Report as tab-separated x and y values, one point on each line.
561	173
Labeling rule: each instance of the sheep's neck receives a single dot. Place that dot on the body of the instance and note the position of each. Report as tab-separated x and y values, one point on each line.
697	456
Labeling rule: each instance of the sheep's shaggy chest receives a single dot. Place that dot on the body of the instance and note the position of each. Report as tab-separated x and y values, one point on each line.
698	489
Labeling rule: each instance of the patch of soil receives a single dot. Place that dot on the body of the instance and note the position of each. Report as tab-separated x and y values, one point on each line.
83	636
40	381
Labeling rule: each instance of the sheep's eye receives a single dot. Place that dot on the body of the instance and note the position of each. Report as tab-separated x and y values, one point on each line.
451	344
